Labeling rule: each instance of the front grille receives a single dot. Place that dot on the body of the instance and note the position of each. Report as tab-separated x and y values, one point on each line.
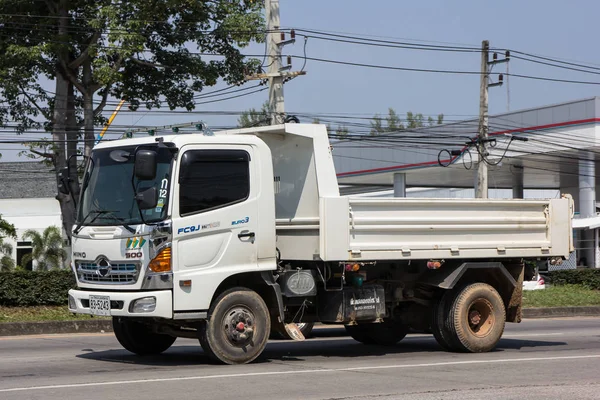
103	273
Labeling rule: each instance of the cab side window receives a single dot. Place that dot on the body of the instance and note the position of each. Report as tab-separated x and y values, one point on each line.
211	179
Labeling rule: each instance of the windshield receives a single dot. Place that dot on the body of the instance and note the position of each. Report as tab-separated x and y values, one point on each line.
108	195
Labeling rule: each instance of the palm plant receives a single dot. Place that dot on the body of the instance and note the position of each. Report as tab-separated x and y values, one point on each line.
47	248
6	261
6	230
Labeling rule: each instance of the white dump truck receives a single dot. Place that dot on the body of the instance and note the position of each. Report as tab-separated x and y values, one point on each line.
229	237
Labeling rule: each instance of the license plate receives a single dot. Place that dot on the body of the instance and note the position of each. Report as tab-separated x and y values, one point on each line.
100	305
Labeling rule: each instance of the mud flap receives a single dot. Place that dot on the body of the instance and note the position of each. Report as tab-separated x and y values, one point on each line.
514	309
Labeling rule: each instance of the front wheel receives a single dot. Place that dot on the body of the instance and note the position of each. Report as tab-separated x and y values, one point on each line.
238	329
139	338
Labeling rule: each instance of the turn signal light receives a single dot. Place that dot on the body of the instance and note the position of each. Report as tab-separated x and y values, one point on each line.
434	264
162	261
352	267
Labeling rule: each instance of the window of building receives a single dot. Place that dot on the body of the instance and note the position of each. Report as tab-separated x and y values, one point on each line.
211	179
24	248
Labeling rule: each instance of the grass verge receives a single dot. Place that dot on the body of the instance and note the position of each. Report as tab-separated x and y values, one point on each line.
40	313
561	296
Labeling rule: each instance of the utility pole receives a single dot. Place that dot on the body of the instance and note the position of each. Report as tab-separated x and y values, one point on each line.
276	74
482	134
481	190
276	105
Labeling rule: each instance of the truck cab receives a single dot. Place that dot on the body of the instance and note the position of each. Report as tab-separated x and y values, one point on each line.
174	249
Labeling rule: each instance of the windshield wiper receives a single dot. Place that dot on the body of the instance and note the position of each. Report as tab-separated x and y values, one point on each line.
96	214
121	220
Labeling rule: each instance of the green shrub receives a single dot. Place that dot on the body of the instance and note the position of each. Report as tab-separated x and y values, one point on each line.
35	288
588	278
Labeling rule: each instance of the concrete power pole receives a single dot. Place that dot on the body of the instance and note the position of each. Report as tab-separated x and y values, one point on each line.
276	105
276	76
482	135
481	190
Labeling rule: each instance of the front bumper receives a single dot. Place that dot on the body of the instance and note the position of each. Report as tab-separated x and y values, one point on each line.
120	302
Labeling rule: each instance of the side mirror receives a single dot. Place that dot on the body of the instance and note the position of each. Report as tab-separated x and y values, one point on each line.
145	165
63	180
147	198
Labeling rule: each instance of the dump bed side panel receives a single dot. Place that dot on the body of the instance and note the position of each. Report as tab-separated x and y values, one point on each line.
393	229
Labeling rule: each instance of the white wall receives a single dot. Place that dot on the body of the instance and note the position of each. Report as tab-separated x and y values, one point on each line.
24	214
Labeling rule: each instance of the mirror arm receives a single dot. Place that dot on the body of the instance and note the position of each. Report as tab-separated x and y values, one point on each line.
135	192
68	181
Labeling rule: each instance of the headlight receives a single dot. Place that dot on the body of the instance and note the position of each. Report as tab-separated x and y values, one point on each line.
143	305
72	303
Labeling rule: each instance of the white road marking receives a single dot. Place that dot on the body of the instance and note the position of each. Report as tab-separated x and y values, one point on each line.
516	335
311	371
54	336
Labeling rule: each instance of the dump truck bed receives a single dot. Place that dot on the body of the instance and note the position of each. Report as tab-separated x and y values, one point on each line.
416	228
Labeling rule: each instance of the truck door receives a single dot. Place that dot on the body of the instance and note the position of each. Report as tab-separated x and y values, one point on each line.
215	221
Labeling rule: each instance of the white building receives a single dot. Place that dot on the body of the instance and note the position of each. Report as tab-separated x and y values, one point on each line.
27	200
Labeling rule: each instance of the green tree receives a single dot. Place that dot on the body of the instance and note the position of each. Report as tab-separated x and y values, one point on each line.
254	117
47	248
394	123
7	230
440	119
377	127
150	53
342	130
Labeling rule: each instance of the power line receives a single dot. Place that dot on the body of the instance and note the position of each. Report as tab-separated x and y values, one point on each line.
384	43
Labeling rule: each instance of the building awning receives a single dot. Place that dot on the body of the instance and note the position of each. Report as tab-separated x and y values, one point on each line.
586	223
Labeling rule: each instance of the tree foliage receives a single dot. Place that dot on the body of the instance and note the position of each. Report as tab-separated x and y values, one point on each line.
253	117
342	130
47	248
150	53
7	230
393	123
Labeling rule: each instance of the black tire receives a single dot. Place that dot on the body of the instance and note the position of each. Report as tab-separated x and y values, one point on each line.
138	338
238	329
440	333
475	318
278	330
387	333
360	333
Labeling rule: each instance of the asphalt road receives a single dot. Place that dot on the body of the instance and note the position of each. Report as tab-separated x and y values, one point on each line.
537	359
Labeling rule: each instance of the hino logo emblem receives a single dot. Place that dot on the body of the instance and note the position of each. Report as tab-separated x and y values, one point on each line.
104	267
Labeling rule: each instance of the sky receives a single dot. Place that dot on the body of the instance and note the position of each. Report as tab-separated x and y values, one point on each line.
552	28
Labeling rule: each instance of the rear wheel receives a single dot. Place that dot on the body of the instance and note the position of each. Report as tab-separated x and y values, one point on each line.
440	333
238	329
474	318
360	333
139	338
386	333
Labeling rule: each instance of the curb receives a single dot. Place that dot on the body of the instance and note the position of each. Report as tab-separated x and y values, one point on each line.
53	327
559	312
105	325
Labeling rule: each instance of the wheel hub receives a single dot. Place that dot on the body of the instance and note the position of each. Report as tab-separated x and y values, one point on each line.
238	326
481	317
475	317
